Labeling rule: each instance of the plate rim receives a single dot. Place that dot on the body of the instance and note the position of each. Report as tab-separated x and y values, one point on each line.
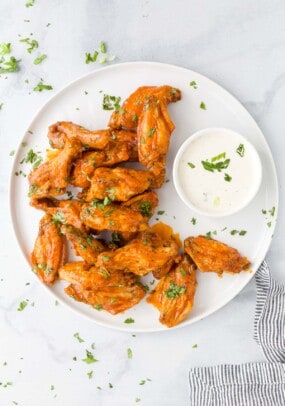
127	328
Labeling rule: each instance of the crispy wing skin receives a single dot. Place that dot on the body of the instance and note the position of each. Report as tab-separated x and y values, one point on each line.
213	256
133	105
112	217
114	292
118	184
49	251
154	130
174	294
84	245
85	166
145	204
62	211
147	253
51	178
61	131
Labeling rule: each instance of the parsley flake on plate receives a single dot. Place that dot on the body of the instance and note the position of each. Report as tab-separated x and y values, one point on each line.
203	106
129	320
193	84
32	44
130	353
77	336
22	305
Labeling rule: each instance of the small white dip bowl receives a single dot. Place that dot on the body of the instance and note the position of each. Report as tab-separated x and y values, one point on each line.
217	172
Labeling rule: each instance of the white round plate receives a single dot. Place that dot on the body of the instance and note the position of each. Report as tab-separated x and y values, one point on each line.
222	110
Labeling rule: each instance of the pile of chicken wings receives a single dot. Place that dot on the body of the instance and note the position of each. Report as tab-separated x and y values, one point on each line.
107	225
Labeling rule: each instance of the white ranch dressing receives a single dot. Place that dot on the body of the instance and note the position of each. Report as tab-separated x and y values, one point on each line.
209	191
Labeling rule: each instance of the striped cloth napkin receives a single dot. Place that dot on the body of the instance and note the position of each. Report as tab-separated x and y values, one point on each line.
252	384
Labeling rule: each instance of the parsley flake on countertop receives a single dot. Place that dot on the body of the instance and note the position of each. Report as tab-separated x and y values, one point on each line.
5	48
101	53
203	106
22	305
9	66
110	385
130	353
30	3
91	58
194	346
1	105
89	358
38	60
32	44
174	290
41	86
77	336
129	320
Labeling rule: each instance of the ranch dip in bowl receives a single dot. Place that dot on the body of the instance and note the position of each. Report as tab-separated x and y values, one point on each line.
217	172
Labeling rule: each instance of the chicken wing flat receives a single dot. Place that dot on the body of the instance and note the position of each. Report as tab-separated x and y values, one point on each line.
174	294
61	131
147	253
51	178
112	217
214	256
154	130
133	106
118	184
145	203
62	211
84	245
85	166
49	251
114	292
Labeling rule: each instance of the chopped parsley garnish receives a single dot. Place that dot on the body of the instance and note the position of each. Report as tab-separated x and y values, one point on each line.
193	84
9	66
208	235
5	48
106	258
227	177
151	131
89	358
174	290
12	153
193	221
240	150
272	211
52	387
191	165
160	212
91	58
241	232
182	271
1	105
102	47
215	166
98	306
111	103
130	353
134	118
110	385
90	374
30	3
203	106
32	44
129	320
22	305
33	158
38	60
101	53
58	218
77	336
194	346
137	400
218	157
41	86
263	211
145	209
269	224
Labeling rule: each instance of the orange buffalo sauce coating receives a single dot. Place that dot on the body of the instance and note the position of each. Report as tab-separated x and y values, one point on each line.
166	232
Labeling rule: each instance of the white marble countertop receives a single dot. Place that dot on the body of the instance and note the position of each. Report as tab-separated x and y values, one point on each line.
241	45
